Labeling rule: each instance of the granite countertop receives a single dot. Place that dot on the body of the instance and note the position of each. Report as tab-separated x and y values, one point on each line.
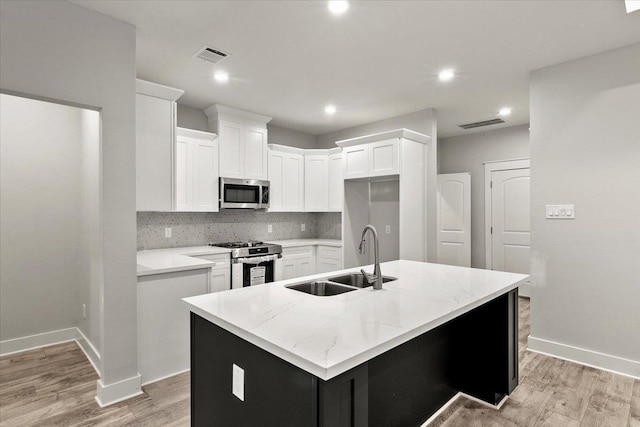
156	261
327	336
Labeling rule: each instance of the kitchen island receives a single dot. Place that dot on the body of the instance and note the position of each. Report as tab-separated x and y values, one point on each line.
368	357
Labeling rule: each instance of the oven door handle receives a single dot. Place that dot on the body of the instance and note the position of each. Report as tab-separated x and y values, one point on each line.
256	259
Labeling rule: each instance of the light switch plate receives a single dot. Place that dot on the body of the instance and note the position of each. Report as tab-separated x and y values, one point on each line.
167	232
387	229
269	228
561	212
238	382
302	227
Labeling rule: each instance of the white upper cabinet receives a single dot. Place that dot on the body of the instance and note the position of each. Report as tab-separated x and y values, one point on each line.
286	177
316	182
336	182
371	159
242	140
155	145
196	171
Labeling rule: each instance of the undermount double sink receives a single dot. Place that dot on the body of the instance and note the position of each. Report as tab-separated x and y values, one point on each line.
335	285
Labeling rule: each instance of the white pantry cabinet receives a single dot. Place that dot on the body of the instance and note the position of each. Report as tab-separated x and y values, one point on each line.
155	145
163	322
242	138
196	171
286	177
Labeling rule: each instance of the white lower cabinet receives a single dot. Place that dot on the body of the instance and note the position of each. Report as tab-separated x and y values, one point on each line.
298	262
163	322
329	258
220	276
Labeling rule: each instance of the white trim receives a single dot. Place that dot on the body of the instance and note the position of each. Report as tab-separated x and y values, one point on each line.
582	356
118	391
155	380
489	167
286	149
158	91
32	342
223	112
456	397
441	410
197	134
397	133
505	160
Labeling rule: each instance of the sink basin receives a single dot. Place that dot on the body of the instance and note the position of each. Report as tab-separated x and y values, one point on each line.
321	288
357	280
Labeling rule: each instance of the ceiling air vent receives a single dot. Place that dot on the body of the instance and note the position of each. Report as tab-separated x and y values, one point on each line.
211	54
480	124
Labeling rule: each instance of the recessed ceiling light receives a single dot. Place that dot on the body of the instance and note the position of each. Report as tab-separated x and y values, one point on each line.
330	109
446	75
338	7
221	77
504	111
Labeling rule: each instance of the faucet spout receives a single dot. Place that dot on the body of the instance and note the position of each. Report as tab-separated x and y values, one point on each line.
376	277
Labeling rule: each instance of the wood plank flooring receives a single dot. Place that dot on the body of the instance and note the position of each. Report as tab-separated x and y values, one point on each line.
56	386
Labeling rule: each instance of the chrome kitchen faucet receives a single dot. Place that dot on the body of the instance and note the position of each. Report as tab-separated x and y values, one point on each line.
376	277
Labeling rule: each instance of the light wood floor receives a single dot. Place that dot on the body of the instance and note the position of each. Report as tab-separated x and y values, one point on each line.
56	386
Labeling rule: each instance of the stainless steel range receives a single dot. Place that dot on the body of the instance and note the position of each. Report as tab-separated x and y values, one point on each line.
252	262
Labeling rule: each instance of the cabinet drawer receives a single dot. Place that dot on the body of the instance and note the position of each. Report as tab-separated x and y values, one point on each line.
298	252
221	260
330	252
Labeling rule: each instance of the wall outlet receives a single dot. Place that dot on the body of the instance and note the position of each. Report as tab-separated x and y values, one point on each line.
387	229
238	382
269	228
302	227
84	311
167	232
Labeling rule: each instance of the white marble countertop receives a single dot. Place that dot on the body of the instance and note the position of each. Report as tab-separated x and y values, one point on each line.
156	261
307	242
327	336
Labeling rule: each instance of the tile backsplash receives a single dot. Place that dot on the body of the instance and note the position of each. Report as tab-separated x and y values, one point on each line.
200	228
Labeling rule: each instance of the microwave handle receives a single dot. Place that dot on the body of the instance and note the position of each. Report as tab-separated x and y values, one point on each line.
260	206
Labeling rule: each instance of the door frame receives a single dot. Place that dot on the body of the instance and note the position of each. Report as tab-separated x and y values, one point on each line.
489	167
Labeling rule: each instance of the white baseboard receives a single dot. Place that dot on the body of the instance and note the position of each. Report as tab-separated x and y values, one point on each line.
119	391
32	342
456	397
441	410
594	359
155	380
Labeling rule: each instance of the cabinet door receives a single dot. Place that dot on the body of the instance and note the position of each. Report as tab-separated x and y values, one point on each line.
155	137
326	265
294	183
231	140
204	175
336	183
316	183
356	161
383	158
289	268
277	181
306	266
220	280
184	182
255	153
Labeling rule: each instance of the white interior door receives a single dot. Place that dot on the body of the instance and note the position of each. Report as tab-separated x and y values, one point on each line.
454	219
510	222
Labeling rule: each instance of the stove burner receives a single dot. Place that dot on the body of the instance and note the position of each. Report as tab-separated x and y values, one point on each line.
233	245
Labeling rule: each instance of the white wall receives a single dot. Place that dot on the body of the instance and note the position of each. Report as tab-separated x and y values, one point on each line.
425	122
468	153
191	118
292	138
39	217
585	150
62	51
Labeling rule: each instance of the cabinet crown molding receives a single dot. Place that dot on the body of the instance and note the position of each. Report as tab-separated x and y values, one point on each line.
397	133
218	111
159	91
198	134
295	150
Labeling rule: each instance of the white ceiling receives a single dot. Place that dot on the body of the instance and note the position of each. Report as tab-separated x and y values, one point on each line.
381	59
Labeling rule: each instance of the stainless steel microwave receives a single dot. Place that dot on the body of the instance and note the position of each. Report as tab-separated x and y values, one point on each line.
243	193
